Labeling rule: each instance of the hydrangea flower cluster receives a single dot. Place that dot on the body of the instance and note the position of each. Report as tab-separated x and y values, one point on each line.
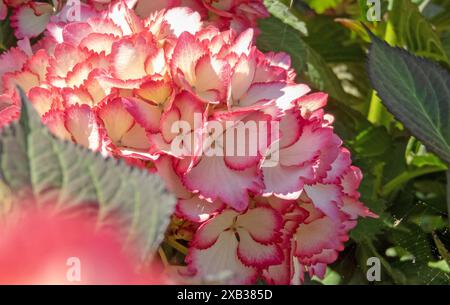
30	18
118	84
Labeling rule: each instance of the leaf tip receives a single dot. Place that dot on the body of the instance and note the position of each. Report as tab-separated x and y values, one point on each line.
28	115
372	36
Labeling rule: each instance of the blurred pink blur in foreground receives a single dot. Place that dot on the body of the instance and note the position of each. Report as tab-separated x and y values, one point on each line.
40	248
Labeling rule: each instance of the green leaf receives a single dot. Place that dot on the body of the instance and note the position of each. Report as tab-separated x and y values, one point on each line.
331	278
445	38
428	160
414	32
371	142
348	121
284	32
286	15
441	248
333	41
309	65
369	228
418	244
417	155
36	165
432	193
440	18
416	91
354	26
363	8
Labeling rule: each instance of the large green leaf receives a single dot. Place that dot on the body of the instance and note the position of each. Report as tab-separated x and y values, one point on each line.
35	165
416	91
414	32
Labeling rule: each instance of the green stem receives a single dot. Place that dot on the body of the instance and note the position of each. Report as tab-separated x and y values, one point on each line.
407	176
378	114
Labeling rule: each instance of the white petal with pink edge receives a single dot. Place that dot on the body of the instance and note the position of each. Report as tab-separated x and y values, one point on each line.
339	166
73	33
312	102
351	180
165	168
185	56
263	224
212	74
243	74
354	208
198	210
286	181
116	119
30	20
11	61
44	99
223	183
308	146
253	253
97	42
82	125
312	238
24	79
55	122
327	198
208	232
129	58
220	262
282	93
147	115
182	19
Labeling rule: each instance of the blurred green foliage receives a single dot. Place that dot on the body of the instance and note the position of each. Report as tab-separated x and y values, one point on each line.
403	182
